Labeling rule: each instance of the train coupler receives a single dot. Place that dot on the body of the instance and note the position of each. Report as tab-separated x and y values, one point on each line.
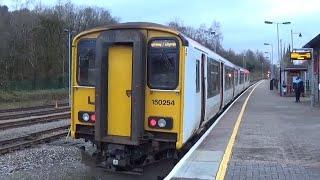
120	158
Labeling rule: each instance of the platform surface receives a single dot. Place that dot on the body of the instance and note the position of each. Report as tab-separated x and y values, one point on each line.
277	139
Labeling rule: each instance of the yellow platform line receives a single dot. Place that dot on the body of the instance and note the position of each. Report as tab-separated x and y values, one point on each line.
227	154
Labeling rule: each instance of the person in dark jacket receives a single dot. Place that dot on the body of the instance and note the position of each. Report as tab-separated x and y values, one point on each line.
298	88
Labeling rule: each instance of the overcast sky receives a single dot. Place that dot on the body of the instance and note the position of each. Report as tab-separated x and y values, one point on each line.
242	21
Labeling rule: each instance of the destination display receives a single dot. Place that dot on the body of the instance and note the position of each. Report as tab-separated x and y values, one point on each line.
164	44
301	54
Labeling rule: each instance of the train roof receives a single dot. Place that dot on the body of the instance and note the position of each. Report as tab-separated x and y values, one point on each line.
209	52
136	25
186	41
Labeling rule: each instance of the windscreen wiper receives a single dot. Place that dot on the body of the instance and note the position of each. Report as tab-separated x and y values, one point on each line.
167	62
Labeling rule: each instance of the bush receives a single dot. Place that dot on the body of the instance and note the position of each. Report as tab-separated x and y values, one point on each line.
33	95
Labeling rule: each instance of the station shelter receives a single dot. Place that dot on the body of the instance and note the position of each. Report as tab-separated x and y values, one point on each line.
290	74
315	44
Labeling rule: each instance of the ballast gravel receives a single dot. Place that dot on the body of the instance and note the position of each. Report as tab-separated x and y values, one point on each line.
48	161
64	159
22	131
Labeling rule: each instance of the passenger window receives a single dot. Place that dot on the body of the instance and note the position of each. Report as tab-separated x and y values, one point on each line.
198	76
86	62
241	77
236	77
213	78
163	64
228	78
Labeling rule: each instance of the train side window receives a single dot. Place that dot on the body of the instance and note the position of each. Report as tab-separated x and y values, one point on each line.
86	62
236	77
213	78
228	78
198	76
241	77
163	64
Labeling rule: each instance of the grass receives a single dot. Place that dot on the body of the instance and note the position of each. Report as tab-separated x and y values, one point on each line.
28	98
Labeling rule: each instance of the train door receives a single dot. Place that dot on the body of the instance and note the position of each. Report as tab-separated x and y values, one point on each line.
233	82
221	85
119	90
203	88
119	95
236	83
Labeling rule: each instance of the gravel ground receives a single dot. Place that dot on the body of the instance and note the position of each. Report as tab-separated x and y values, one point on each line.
22	131
63	159
49	161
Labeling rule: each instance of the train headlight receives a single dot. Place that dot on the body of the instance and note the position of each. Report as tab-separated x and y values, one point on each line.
93	117
153	122
162	123
85	117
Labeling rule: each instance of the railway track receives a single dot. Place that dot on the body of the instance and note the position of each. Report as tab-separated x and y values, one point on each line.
29	140
33	112
32	108
27	121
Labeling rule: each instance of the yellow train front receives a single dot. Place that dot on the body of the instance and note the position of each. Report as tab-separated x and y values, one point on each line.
141	91
128	106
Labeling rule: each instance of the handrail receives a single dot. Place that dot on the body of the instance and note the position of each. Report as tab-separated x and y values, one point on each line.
86	87
165	90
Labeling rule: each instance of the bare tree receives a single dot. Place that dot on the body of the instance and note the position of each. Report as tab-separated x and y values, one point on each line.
212	37
33	42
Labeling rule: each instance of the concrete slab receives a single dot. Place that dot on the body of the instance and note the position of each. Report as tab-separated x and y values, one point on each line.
206	156
200	165
198	170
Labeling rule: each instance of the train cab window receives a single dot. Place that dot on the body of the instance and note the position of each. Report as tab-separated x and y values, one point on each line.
213	78
198	76
86	62
163	64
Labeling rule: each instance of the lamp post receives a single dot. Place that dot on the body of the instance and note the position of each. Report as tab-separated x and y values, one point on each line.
243	61
277	23
267	57
213	34
292	33
270	44
262	70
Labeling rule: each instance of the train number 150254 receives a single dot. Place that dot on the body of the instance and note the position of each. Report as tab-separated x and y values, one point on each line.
161	102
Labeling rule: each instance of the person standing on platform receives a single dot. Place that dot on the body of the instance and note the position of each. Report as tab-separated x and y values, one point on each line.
284	88
298	87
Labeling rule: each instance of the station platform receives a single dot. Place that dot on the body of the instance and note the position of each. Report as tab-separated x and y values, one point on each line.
260	136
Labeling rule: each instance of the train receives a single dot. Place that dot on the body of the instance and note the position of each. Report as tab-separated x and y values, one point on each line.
141	91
